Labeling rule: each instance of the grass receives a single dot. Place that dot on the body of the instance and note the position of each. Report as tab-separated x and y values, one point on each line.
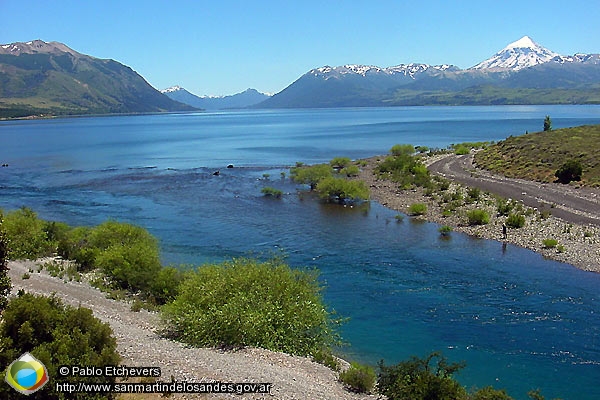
537	156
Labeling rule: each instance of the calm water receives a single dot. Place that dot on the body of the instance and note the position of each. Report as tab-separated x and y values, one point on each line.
520	321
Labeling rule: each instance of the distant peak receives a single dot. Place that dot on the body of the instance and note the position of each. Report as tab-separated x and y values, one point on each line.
36	46
172	89
524	42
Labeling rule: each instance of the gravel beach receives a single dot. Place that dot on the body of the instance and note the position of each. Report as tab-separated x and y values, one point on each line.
578	242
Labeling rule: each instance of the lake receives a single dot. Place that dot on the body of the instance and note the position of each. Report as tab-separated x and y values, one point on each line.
518	320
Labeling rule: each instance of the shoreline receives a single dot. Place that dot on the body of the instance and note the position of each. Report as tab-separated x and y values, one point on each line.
139	343
580	243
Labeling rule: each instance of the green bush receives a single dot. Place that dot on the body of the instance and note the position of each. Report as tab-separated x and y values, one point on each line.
244	302
5	284
417	379
359	378
56	335
473	194
27	235
461	150
515	221
417	209
569	171
341	190
340	162
549	243
445	230
489	393
310	175
269	191
503	206
165	285
350	170
127	254
402	150
478	217
325	357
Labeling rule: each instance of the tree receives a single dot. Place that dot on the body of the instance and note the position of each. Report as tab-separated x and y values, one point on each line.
4	278
341	190
547	124
311	175
569	171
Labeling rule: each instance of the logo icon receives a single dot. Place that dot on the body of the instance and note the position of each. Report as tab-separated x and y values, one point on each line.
26	374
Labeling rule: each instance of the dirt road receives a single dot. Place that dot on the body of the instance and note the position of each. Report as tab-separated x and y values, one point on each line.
579	206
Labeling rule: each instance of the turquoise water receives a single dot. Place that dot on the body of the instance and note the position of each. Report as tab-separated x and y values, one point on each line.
520	321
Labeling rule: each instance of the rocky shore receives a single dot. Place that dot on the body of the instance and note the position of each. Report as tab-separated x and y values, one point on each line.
578	244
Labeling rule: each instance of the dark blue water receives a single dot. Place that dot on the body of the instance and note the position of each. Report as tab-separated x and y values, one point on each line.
520	321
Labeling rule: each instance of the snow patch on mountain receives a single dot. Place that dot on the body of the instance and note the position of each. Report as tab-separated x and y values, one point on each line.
523	53
172	89
409	70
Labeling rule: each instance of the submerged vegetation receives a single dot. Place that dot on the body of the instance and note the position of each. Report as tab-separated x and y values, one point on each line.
330	180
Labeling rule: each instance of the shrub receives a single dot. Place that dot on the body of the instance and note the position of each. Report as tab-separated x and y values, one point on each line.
461	150
549	243
56	335
350	170
27	234
489	393
360	378
340	162
165	286
402	150
473	194
417	209
416	379
478	217
341	190
445	230
402	167
515	220
503	206
269	191
4	278
326	358
569	171
244	302
127	254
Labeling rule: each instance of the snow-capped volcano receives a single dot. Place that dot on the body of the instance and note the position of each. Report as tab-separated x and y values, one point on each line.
523	53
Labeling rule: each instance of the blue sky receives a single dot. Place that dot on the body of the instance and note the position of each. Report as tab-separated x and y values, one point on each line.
225	46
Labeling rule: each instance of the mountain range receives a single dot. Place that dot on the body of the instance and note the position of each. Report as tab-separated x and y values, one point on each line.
247	98
50	78
521	73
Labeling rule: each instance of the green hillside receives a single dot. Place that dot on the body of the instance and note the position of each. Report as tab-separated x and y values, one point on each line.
49	78
537	156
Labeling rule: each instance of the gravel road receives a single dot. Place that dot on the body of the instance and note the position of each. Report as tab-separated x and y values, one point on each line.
576	205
